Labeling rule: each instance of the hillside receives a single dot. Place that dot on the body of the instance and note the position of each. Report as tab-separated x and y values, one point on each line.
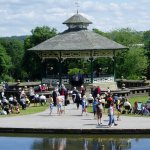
21	38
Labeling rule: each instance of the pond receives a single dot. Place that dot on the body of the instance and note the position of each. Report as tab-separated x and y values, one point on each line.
83	142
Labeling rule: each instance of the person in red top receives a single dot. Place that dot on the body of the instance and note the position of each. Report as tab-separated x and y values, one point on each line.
98	90
43	87
63	91
109	99
83	90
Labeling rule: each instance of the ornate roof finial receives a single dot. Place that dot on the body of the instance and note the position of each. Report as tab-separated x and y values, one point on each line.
77	5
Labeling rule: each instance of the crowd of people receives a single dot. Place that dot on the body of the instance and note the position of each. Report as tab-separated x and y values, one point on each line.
100	102
21	99
114	104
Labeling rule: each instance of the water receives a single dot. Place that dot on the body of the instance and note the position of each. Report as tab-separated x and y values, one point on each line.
74	143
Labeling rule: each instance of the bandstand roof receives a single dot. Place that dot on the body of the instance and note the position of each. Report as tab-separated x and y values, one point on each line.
78	39
77	18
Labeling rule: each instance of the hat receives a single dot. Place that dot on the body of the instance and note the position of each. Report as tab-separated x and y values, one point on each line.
84	96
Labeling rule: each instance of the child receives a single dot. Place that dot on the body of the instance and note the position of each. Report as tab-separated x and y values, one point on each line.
84	105
51	105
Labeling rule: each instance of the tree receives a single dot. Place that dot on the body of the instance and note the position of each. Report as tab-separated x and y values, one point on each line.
5	63
146	38
126	36
31	62
133	65
100	32
15	49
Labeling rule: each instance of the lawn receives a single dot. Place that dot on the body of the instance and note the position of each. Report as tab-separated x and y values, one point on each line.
142	99
29	110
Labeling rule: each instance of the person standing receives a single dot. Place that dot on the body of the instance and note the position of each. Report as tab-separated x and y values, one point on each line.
95	102
51	104
82	90
63	91
99	110
111	115
84	105
54	95
74	93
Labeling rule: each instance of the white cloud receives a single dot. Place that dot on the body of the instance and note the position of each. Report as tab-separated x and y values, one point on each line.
19	17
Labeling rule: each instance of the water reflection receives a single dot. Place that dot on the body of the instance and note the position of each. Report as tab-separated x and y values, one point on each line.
77	143
82	144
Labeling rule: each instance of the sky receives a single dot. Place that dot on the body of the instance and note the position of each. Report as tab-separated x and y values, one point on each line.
19	17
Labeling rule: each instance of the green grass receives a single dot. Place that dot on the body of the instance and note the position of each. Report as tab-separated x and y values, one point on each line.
29	110
142	99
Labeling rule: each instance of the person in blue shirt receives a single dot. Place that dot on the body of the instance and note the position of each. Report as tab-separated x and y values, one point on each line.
84	105
95	102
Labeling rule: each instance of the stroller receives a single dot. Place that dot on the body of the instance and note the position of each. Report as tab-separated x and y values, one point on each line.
139	107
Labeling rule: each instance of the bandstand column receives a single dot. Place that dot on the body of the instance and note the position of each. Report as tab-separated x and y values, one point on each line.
60	69
43	68
114	64
91	60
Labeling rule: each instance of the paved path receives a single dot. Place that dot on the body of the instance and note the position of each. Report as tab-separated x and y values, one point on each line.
72	120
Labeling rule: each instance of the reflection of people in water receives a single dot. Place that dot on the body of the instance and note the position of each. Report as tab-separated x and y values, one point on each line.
62	144
84	143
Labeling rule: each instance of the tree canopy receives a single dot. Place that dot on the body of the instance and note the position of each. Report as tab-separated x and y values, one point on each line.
39	34
5	62
18	63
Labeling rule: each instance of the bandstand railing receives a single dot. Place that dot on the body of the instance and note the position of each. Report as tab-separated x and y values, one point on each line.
87	79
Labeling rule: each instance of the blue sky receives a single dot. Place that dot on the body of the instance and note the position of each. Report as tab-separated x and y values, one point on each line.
19	17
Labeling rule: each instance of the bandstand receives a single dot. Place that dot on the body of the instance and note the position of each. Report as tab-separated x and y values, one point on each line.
78	42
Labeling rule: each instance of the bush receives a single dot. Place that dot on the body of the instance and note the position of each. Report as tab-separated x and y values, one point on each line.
75	71
6	78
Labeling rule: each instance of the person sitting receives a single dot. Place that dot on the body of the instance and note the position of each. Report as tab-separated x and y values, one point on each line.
42	99
127	106
31	94
36	99
11	99
27	101
43	87
23	102
4	101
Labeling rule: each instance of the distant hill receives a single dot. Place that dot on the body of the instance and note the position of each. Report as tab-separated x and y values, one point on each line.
21	38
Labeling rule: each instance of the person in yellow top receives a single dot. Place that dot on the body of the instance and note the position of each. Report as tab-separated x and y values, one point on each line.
118	102
27	101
